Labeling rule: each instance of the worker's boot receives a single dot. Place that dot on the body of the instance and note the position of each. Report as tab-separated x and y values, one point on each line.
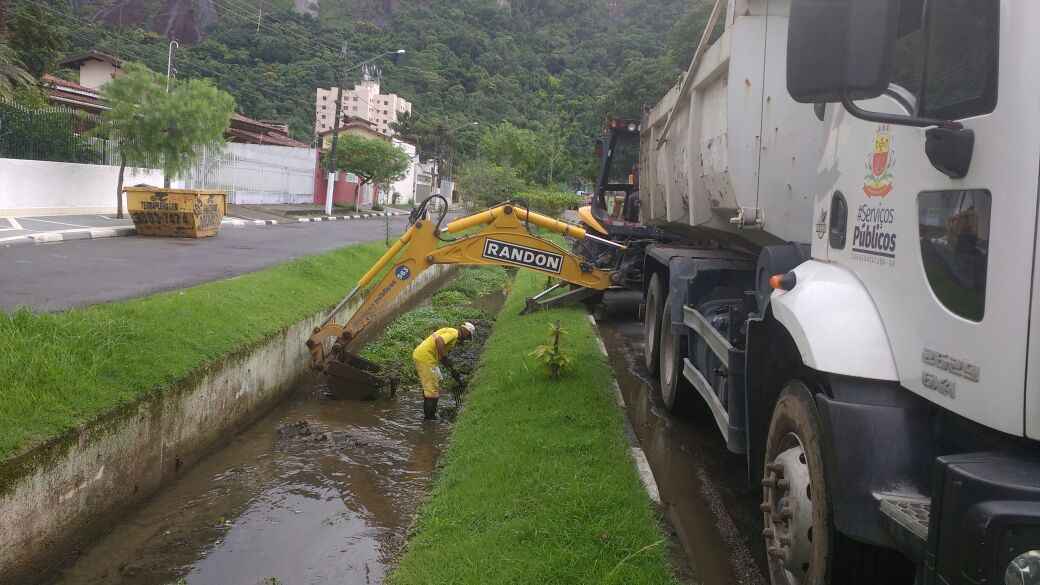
429	408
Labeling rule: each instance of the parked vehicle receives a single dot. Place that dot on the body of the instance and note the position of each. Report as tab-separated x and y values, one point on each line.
837	174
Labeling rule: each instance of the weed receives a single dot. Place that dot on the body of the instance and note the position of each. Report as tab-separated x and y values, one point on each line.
555	359
447	308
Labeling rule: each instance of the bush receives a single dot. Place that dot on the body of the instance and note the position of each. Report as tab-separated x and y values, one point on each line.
549	202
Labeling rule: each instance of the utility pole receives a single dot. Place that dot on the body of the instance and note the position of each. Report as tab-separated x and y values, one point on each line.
335	137
335	126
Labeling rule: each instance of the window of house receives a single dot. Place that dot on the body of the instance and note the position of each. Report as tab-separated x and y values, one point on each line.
954	233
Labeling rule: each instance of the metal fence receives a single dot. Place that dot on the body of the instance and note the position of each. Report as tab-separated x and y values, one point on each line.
56	134
256	173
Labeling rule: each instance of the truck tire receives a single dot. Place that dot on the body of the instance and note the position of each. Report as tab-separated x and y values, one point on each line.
799	532
674	387
803	547
652	323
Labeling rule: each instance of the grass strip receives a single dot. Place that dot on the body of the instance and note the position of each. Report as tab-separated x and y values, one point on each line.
537	485
59	370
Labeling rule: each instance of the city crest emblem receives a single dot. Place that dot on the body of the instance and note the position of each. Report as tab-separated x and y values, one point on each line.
878	182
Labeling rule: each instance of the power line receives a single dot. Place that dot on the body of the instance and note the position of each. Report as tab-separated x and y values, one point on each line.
288	29
137	55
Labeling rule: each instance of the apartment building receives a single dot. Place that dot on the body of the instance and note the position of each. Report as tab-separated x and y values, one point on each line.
364	101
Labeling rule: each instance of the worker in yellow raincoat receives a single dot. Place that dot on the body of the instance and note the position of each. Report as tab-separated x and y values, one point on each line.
433	353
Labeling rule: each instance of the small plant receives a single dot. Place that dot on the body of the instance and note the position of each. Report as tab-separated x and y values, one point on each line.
555	359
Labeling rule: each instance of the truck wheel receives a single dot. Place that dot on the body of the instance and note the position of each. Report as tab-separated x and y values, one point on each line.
673	348
652	323
799	533
802	545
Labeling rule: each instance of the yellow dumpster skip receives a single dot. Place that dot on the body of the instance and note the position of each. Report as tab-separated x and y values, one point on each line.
179	213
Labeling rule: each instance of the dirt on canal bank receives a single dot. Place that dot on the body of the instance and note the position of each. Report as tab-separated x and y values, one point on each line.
318	491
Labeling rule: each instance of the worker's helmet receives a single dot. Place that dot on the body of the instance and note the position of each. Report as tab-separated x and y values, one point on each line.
470	327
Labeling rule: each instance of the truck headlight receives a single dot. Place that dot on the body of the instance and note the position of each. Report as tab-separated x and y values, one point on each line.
1024	569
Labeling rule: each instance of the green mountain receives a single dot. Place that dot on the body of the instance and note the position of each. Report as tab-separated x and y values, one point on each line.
560	64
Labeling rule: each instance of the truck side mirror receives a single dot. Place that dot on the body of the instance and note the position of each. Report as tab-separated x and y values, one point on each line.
840	50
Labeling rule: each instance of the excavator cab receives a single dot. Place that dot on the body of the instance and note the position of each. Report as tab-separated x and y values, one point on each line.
615	202
613	212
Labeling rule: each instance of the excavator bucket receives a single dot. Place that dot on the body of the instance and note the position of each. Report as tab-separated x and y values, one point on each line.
352	377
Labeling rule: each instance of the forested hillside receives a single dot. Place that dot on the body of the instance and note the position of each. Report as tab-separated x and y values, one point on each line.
550	66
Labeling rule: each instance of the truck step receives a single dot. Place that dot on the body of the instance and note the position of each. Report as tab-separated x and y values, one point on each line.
906	517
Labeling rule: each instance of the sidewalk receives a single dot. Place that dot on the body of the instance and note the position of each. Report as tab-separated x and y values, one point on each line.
19	230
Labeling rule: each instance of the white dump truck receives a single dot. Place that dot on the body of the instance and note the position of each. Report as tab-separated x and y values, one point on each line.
837	173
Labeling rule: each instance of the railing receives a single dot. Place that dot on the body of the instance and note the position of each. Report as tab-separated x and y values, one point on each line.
57	134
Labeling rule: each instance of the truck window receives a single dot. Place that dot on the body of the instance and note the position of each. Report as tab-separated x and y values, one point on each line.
954	232
960	68
909	53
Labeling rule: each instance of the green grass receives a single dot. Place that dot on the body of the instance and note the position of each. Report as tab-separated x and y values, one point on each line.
63	369
449	307
537	485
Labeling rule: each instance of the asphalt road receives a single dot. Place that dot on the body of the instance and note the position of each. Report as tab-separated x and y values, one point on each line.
53	277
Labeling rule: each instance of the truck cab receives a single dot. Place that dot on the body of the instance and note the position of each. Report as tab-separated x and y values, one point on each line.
856	182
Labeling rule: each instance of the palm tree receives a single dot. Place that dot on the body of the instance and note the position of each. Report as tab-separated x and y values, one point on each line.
12	74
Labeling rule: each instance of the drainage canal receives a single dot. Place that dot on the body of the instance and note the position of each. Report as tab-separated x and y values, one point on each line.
318	491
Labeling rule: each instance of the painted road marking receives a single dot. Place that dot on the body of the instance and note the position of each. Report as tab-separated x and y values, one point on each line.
54	222
15	226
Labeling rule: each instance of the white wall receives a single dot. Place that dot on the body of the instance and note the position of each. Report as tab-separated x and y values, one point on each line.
42	187
406	186
94	74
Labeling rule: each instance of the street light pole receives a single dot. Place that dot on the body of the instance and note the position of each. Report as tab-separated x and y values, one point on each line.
169	63
451	165
335	127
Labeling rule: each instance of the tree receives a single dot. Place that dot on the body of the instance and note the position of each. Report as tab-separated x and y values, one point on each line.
12	73
37	38
483	183
372	160
156	128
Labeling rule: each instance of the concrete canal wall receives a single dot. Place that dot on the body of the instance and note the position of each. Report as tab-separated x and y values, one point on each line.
56	498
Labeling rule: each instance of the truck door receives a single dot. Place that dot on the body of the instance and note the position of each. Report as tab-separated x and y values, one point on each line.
949	261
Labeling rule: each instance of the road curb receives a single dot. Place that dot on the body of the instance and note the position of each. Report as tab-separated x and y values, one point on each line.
348	217
635	451
245	222
69	235
116	232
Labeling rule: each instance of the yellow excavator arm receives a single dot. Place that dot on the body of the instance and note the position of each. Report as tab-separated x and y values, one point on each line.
505	240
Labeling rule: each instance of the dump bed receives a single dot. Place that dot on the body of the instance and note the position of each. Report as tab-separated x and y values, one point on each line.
727	149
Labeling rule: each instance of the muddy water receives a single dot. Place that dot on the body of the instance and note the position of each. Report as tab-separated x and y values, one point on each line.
319	491
702	485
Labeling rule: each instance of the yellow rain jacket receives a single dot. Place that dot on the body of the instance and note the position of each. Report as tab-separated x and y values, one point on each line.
426	360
